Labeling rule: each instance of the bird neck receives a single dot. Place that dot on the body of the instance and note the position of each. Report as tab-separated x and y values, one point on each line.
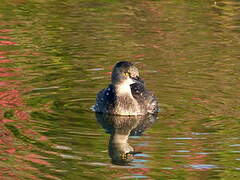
123	89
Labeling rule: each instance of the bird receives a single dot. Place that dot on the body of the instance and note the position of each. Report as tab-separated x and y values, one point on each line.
126	94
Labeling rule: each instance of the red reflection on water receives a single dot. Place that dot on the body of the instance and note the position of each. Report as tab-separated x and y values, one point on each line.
21	115
7	120
109	73
5	61
5	136
13	112
196	158
140	171
3	83
5	30
7	72
35	158
5	37
43	138
10	99
7	43
11	151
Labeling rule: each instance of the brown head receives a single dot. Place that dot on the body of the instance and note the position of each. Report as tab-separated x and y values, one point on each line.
125	72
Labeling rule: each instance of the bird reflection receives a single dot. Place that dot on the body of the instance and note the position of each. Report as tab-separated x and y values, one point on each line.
120	128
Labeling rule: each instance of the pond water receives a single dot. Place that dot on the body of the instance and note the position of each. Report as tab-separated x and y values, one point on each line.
56	55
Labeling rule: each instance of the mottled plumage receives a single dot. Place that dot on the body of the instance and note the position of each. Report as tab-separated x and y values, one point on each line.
127	94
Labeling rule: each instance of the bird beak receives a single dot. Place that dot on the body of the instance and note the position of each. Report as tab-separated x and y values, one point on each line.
137	79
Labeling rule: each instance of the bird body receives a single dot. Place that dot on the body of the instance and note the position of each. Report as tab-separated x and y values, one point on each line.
126	95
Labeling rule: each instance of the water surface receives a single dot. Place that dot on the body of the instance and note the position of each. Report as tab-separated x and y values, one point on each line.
55	56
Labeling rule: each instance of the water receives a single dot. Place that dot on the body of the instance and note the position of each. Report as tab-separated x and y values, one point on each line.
55	56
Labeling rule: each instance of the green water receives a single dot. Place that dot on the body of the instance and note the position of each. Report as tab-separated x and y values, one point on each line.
56	55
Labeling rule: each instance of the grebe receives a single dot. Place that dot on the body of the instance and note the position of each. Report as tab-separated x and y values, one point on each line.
126	95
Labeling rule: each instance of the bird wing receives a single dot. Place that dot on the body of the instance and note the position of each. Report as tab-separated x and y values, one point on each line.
144	97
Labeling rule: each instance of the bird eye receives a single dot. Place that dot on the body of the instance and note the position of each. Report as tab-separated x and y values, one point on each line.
127	74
